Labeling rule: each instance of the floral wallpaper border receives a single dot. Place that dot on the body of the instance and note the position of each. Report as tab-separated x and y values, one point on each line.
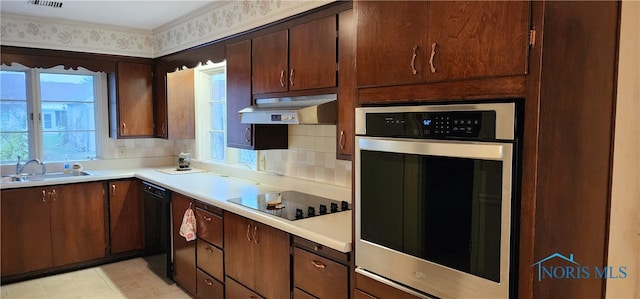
221	20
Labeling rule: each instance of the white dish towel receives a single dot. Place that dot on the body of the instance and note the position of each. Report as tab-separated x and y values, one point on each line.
188	227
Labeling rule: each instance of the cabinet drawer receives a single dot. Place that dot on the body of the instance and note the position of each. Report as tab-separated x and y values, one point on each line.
237	291
319	276
208	287
209	227
300	294
209	259
362	295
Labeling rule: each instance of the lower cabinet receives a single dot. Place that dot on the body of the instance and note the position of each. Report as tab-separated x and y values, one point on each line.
237	291
184	252
52	226
208	287
209	252
125	215
256	256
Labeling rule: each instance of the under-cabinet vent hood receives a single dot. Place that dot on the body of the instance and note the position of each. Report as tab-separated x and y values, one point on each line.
302	110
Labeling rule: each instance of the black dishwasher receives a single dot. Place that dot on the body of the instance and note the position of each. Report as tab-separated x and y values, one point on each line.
157	230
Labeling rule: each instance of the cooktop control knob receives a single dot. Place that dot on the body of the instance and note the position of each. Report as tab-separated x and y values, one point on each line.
299	214
311	212
334	207
323	209
344	205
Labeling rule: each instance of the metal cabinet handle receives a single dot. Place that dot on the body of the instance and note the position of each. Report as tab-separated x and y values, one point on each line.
44	196
318	265
54	195
433	53
209	249
206	218
291	77
343	141
413	60
113	189
208	281
255	230
247	135
282	78
124	128
248	229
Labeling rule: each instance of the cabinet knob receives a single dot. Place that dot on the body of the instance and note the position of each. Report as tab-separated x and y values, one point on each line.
124	129
206	218
209	249
343	141
248	229
44	196
282	79
318	265
413	60
255	230
208	281
433	53
291	77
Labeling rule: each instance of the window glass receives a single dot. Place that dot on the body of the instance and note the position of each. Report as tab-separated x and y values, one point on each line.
58	123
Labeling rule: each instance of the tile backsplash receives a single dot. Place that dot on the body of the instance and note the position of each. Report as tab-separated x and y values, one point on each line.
137	148
311	155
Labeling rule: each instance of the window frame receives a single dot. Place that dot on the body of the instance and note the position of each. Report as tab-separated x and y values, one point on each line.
35	116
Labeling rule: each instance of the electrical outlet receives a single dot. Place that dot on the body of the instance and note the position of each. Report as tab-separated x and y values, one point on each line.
122	151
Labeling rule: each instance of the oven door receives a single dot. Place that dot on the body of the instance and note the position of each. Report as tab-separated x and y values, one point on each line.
435	215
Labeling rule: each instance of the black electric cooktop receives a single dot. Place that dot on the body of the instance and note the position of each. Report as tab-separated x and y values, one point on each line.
295	205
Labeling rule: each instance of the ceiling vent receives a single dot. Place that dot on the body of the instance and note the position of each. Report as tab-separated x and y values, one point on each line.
45	3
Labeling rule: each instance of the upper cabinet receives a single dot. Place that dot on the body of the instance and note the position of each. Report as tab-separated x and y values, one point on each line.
239	135
131	100
411	42
303	57
180	123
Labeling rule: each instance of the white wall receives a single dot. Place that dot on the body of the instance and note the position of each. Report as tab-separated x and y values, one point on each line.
624	235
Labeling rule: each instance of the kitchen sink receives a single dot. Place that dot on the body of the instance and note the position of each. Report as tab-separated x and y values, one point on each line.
47	176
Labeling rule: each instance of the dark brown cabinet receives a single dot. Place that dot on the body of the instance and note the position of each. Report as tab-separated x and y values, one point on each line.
209	251
131	100
125	215
180	119
238	291
257	256
319	276
184	252
208	288
411	42
239	135
52	226
347	92
303	57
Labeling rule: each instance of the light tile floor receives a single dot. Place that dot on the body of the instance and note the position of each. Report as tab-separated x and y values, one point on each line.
130	279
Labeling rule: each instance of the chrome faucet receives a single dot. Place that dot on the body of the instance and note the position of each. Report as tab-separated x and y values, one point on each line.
20	168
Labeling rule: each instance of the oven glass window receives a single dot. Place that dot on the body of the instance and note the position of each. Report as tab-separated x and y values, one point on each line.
441	209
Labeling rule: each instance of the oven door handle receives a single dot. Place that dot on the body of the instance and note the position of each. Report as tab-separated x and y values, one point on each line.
444	148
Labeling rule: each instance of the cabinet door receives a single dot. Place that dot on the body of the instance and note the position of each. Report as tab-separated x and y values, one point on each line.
312	54
238	93
347	91
134	99
270	62
475	39
391	43
181	105
125	215
239	260
272	261
26	234
184	253
78	230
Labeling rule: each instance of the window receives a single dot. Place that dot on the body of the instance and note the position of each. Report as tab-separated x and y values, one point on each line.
47	114
211	118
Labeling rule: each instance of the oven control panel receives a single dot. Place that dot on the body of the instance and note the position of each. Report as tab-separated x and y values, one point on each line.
436	125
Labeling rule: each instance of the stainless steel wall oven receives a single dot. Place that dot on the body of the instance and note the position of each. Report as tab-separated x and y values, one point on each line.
436	198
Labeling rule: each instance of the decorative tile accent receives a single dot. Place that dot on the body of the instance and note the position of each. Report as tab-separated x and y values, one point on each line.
219	21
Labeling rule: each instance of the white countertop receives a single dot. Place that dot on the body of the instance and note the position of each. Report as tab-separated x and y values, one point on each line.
331	230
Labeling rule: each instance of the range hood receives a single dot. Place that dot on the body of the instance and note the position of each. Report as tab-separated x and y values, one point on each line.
302	110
